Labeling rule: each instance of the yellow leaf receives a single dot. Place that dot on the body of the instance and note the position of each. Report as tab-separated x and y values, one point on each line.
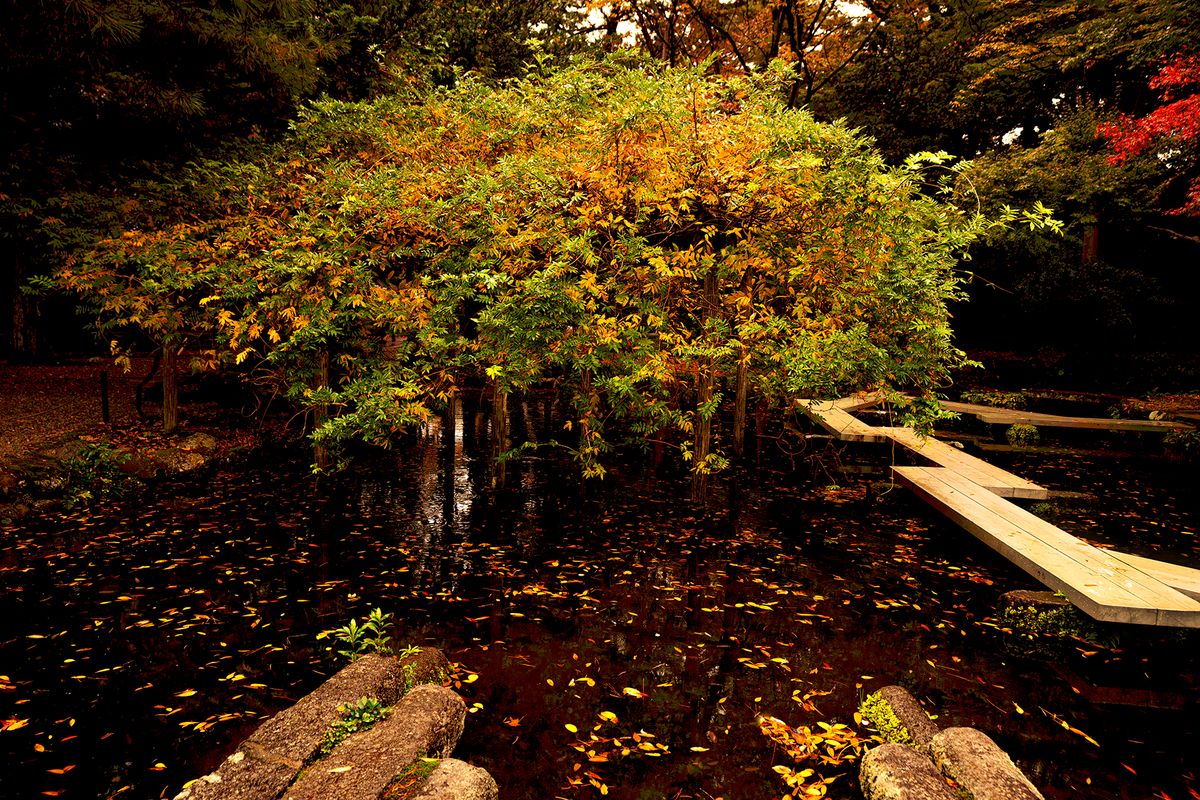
571	728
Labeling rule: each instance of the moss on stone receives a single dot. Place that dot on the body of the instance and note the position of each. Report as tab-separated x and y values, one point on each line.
880	712
1064	620
409	780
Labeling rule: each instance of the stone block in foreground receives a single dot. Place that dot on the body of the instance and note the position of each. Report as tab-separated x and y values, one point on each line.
909	713
427	722
899	772
267	763
458	780
980	768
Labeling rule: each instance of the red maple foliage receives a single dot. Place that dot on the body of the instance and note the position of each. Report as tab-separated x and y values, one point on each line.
1176	121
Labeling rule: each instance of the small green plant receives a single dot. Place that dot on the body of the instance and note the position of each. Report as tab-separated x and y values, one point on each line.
373	635
94	473
1022	435
355	717
1014	400
879	712
1185	442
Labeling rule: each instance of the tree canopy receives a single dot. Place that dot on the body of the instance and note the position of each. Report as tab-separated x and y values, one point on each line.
644	241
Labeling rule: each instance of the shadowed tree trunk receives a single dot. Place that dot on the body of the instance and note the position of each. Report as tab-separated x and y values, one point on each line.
499	433
320	452
702	444
21	317
170	387
739	406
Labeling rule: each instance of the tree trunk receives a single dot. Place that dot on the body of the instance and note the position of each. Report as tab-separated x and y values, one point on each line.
450	425
321	456
22	316
499	434
170	388
760	428
702	443
1091	243
739	406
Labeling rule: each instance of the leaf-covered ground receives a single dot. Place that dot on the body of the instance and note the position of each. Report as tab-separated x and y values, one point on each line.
625	642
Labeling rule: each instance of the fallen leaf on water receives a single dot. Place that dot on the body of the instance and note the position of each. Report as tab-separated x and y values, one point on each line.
13	724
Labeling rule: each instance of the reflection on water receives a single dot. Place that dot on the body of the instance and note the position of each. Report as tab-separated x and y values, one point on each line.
140	642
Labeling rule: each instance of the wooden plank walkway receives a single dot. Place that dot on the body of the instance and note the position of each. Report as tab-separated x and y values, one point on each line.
1008	416
1181	579
839	422
833	417
1103	586
1108	585
994	479
857	402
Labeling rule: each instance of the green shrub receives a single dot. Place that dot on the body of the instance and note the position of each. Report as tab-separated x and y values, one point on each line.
1187	443
1022	435
1014	400
94	473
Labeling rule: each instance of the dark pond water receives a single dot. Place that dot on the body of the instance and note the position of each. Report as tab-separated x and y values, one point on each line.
139	642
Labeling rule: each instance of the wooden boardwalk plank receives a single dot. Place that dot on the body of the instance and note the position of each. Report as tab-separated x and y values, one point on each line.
989	476
857	402
1180	578
838	422
1101	585
1008	416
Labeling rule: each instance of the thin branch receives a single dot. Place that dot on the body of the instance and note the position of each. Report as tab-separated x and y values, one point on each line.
1186	237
